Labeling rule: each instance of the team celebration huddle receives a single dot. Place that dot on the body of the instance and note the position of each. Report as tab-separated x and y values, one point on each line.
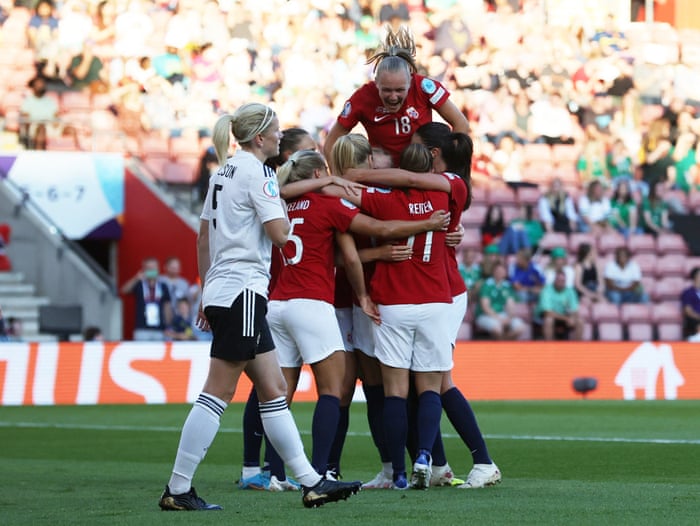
346	262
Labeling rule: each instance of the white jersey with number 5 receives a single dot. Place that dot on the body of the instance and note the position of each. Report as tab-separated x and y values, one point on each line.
242	195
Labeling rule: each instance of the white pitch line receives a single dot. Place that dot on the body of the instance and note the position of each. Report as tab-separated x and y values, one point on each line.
169	429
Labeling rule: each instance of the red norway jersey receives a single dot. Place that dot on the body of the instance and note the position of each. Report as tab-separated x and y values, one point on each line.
458	198
423	278
393	131
309	255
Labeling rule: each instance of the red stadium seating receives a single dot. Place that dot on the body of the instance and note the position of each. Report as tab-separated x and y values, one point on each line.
640	332
669	332
528	195
553	239
642	244
667	312
636	313
605	312
647	263
671	265
671	244
608	242
610	331
474	216
668	289
576	238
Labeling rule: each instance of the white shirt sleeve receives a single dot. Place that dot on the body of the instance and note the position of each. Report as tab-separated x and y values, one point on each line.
264	194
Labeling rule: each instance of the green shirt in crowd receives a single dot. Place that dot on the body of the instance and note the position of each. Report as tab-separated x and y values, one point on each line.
497	293
563	301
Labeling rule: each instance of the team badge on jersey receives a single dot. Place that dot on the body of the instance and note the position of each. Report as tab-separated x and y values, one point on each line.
428	86
270	189
412	113
348	204
346	109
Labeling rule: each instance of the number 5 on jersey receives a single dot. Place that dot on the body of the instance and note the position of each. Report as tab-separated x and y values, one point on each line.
296	240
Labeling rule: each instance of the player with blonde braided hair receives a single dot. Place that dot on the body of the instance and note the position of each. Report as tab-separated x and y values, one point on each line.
399	100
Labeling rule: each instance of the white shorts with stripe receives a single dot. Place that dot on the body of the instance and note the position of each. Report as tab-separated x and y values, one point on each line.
415	337
362	332
304	331
457	311
344	317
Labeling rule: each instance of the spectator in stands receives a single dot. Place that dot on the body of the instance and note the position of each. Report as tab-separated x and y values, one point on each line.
4	15
93	334
620	166
3	329
556	209
153	307
610	40
531	227
208	164
594	209
508	161
178	287
655	152
494	310
181	327
690	303
493	226
624	216
655	212
102	34
597	118
551	122
685	156
489	259
521	108
591	165
623	279
558	263
526	277
588	274
39	116
558	310
86	72
42	34
470	269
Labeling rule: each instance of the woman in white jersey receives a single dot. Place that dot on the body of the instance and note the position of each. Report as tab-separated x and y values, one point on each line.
241	219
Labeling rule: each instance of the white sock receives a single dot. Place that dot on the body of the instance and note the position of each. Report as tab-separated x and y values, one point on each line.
387	469
249	471
282	431
197	435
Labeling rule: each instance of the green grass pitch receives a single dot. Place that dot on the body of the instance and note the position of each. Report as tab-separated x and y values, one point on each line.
574	463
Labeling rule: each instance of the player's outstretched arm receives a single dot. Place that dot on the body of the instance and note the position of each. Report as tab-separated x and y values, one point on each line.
355	273
396	177
397	229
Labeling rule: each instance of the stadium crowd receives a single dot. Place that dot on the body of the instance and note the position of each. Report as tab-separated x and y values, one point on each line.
586	133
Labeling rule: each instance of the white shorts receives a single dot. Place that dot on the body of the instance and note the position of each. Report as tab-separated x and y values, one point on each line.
415	337
362	332
304	331
344	317
458	309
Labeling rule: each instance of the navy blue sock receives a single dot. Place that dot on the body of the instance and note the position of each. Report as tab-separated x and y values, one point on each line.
395	429
429	413
323	430
439	457
463	419
273	461
374	394
339	441
252	431
412	419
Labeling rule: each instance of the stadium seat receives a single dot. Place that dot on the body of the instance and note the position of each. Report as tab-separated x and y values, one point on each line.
553	239
668	289
636	313
528	195
568	174
587	334
502	196
184	146
178	172
62	144
565	153
642	244
471	239
690	264
640	332
605	312
576	238
608	242
669	332
538	173
610	331
667	312
79	101
537	153
154	145
479	195
671	265
647	263
474	216
671	244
